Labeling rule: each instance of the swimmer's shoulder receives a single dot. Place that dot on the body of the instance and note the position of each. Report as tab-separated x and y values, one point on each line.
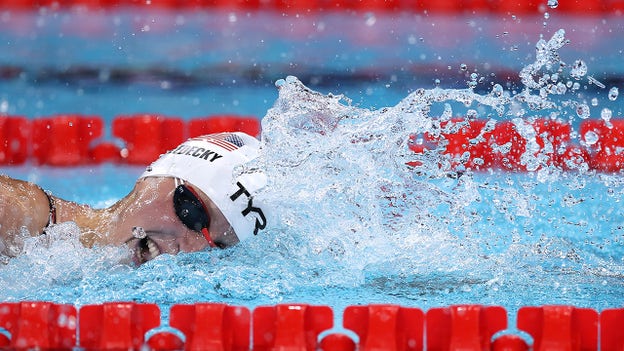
23	204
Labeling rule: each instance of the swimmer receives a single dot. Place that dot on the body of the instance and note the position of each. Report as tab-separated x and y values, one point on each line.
189	199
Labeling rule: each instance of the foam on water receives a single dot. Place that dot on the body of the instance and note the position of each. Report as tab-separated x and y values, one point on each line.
352	223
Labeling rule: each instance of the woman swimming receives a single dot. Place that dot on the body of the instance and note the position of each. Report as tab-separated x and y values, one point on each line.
187	200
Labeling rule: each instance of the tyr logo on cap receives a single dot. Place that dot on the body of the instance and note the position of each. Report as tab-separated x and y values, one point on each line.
261	219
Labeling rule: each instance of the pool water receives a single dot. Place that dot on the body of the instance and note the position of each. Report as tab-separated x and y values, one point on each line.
191	64
351	223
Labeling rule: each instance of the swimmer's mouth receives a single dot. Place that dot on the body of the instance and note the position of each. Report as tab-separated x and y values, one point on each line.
146	249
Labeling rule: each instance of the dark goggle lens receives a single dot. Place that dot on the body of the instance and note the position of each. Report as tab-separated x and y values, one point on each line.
190	209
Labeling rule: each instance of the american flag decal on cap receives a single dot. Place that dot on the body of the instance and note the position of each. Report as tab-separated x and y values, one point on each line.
227	141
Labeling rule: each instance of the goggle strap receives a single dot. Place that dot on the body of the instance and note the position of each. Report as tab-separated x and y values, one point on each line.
208	237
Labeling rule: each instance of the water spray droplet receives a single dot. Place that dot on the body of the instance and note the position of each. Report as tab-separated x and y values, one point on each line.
582	111
593	80
576	86
579	69
370	19
139	233
591	138
613	93
497	90
606	114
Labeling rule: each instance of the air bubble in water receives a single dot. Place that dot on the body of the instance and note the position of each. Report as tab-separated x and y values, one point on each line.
594	102
606	114
582	111
463	67
613	93
553	4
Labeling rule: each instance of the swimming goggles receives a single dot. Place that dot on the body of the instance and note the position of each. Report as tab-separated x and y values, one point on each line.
191	210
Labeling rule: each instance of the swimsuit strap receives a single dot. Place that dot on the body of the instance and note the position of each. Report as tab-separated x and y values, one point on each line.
52	214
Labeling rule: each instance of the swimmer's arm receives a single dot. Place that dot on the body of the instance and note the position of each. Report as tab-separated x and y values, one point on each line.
24	211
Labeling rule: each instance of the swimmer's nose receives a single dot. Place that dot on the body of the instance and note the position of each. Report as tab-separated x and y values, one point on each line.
183	242
192	242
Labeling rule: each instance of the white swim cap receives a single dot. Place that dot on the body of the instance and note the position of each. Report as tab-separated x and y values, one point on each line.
208	163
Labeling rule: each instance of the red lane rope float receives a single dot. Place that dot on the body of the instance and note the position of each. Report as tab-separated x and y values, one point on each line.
464	327
483	145
606	142
585	7
76	140
14	140
337	342
226	123
38	325
116	325
611	336
148	136
289	327
296	327
386	327
565	328
64	140
212	326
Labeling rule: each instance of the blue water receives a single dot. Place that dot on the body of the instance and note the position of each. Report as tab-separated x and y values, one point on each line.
336	163
201	63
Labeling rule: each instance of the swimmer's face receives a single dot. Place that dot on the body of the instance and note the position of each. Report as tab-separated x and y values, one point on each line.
149	225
